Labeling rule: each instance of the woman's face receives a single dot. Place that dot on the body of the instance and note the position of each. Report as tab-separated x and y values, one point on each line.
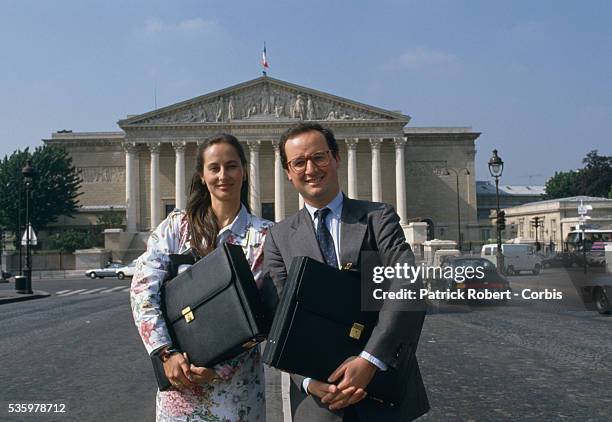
223	172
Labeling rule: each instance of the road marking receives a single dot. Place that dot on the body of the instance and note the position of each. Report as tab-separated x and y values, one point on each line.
92	291
285	387
112	290
127	290
62	291
74	292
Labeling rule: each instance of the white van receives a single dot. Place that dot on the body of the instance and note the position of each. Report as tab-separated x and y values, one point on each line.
517	257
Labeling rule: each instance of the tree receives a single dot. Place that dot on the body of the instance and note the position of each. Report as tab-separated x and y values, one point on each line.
562	185
70	240
55	188
595	179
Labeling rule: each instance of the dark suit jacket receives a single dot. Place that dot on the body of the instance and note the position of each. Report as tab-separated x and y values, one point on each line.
364	226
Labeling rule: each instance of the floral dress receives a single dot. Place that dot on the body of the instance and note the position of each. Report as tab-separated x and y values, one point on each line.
239	395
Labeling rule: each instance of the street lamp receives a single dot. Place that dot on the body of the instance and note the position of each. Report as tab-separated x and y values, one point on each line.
467	173
496	167
28	173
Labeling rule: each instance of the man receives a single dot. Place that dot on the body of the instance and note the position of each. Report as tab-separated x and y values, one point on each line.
335	229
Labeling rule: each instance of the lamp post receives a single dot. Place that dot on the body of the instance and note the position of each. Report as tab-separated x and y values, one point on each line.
496	167
28	177
456	172
2	280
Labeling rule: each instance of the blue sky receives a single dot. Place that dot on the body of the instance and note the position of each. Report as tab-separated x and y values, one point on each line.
533	76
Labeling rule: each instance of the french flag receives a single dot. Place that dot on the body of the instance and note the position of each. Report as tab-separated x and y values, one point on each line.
264	60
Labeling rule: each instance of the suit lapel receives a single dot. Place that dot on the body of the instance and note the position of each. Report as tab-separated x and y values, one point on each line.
303	240
353	227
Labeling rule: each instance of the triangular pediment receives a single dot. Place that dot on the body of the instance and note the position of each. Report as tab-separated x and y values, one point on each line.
263	100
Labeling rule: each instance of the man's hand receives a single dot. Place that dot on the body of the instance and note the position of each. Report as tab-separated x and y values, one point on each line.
322	390
354	375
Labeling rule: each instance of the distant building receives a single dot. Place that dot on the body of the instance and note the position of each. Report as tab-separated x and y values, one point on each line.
144	170
558	217
509	196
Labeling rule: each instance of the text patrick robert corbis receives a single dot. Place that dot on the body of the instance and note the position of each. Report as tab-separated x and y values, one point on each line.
457	291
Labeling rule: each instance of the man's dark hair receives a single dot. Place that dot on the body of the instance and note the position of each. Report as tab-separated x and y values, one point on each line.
301	128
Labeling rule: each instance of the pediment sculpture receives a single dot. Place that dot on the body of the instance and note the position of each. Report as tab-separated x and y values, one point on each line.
264	102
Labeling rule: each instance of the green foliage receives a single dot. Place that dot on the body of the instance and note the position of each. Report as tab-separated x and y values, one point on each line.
563	184
70	240
111	219
595	179
55	188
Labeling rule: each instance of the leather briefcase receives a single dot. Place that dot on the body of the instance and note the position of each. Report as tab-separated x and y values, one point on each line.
213	309
319	323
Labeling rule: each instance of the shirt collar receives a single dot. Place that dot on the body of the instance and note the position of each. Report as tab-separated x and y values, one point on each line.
335	206
238	226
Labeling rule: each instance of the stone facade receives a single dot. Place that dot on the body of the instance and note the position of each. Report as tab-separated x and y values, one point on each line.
558	216
509	196
146	169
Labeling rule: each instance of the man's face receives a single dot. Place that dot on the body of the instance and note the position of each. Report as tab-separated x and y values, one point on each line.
317	184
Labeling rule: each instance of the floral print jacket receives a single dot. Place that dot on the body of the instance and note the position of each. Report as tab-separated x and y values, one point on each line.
172	237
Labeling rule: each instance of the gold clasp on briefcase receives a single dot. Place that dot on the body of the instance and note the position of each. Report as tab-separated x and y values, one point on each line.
188	314
356	331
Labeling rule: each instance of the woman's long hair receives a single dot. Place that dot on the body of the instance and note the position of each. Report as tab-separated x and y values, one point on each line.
202	220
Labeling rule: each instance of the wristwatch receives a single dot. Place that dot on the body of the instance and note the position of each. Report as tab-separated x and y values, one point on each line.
165	353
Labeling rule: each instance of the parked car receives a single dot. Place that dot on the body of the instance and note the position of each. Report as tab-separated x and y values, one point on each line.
517	257
486	278
576	259
107	271
597	293
126	271
551	261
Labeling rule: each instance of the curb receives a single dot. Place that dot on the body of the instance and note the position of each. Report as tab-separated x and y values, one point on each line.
18	297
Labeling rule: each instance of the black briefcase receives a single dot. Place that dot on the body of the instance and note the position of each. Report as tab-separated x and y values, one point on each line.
213	309
319	323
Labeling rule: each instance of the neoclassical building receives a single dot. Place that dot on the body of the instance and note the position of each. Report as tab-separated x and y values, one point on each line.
146	168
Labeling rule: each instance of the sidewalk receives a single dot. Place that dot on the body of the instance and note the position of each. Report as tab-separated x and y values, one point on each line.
9	295
54	274
38	275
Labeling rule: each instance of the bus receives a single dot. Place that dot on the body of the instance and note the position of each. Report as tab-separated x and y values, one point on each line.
595	240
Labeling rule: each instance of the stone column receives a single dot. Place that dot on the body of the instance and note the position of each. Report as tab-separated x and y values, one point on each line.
351	145
400	179
279	191
254	186
155	203
131	196
376	175
179	174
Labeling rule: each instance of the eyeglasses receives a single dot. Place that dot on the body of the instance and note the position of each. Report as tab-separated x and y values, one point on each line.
319	159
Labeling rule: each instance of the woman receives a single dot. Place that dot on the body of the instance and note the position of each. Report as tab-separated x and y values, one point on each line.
215	213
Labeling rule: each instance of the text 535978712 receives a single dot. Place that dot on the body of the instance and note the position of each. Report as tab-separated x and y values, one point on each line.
36	407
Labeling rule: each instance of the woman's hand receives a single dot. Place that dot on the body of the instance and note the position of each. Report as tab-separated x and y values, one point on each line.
178	372
201	375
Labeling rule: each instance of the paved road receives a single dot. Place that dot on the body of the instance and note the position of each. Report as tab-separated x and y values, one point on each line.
80	347
81	350
528	360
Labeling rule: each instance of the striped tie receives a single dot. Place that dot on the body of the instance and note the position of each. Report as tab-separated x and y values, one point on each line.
325	239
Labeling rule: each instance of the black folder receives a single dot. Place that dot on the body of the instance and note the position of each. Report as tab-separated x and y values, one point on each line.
319	323
213	309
